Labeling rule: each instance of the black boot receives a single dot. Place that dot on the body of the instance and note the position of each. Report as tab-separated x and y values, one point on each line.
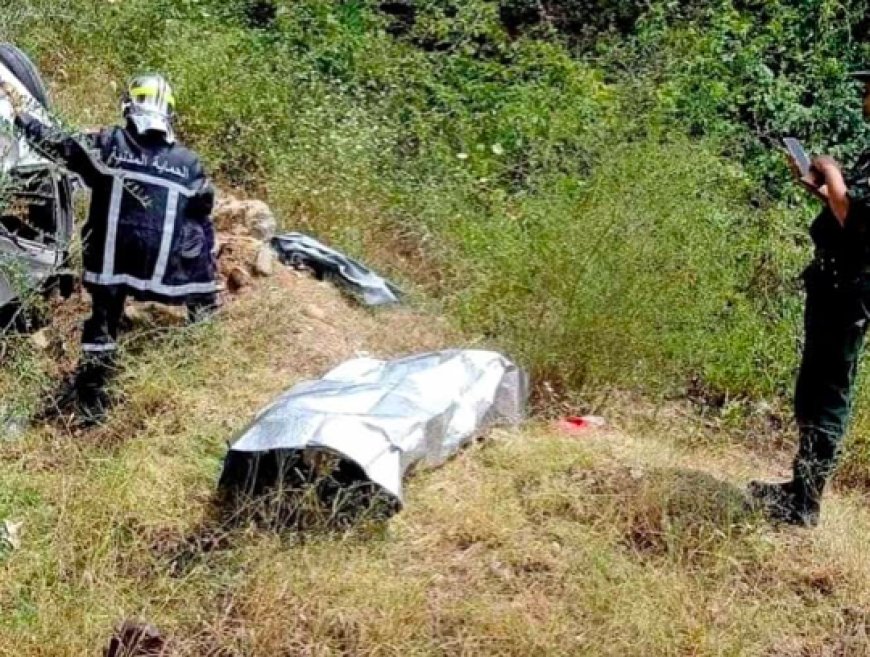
813	467
798	502
776	500
61	402
92	378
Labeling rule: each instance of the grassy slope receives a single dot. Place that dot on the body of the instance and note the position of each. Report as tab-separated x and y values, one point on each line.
533	544
619	543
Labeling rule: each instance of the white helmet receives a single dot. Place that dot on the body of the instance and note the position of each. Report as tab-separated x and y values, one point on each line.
150	104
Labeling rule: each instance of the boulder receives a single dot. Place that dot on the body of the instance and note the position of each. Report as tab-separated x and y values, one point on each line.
264	262
236	251
250	217
40	340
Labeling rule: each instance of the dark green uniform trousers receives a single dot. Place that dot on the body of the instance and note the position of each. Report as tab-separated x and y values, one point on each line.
835	323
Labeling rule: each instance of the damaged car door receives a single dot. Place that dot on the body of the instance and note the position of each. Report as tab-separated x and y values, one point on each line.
36	216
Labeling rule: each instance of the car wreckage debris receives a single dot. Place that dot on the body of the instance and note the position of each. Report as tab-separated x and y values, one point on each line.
36	217
352	436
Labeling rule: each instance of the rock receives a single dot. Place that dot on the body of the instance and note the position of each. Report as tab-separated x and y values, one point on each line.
133	313
228	213
314	312
10	535
264	262
238	279
12	427
261	222
250	217
40	340
236	251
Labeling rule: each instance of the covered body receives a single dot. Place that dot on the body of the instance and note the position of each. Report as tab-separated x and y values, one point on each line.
296	249
384	417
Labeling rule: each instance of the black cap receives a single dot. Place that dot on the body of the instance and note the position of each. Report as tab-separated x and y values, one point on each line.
861	76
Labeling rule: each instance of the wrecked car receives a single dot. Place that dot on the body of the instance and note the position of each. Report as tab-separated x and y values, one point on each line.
36	212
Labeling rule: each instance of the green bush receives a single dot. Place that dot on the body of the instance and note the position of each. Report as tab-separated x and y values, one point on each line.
651	272
749	73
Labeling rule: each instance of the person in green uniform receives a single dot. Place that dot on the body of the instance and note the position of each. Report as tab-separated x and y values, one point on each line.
835	322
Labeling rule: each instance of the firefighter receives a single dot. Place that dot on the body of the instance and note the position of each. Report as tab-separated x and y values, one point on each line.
149	234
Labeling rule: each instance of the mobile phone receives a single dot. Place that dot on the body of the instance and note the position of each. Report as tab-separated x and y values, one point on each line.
796	150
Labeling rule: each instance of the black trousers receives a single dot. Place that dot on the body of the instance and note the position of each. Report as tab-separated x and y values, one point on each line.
835	323
100	333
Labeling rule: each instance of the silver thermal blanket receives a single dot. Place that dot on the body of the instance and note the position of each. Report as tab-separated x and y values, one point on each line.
381	418
300	250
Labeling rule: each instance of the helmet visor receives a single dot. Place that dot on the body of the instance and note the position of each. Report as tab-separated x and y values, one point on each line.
145	121
150	104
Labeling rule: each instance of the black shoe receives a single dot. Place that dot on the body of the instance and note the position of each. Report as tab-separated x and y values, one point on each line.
92	407
92	401
808	495
87	406
785	502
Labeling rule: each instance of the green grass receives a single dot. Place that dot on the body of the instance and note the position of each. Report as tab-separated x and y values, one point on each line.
529	543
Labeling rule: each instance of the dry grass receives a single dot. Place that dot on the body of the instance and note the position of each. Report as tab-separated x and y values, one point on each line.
619	542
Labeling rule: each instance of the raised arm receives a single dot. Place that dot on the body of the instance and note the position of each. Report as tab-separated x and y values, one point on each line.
55	144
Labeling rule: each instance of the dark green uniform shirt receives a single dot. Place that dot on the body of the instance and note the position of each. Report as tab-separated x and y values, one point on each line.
852	242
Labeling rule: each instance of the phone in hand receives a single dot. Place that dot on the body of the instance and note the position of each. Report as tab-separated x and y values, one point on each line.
799	155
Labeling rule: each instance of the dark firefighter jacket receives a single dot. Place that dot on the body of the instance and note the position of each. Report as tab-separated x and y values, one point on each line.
149	228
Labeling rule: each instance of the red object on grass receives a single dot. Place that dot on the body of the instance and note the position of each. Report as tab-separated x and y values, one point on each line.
578	424
574	424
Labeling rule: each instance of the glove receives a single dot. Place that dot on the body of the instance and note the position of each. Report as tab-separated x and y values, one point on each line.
18	101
